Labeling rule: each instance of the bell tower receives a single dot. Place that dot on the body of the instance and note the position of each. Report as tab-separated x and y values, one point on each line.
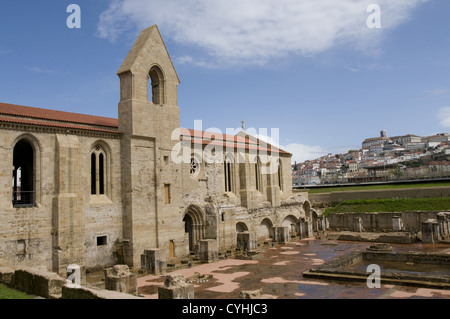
148	114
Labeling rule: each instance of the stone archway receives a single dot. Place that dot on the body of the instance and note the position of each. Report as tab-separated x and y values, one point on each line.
241	227
245	240
266	230
194	225
292	222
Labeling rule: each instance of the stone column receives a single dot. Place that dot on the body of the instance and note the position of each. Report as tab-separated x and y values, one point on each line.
155	261
282	234
209	250
68	231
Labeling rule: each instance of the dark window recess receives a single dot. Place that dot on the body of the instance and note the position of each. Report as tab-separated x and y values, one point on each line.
102	240
101	174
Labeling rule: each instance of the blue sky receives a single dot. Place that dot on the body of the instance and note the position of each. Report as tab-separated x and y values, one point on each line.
312	69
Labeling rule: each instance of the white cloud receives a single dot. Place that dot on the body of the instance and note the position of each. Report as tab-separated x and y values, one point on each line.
302	152
37	69
444	116
256	31
436	92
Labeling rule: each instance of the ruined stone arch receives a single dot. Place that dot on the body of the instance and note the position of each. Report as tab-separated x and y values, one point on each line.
194	225
26	163
241	227
292	222
266	229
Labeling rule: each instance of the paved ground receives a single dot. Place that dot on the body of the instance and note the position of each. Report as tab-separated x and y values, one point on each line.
278	271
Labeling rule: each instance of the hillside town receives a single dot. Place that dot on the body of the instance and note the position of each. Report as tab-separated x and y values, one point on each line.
383	158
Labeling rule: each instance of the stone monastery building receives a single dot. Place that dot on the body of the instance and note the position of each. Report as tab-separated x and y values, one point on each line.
95	191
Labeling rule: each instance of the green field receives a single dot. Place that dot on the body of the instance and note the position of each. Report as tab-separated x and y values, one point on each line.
7	293
391	205
374	187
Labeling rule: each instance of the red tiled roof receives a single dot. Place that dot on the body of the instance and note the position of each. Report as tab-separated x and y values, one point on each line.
51	118
52	124
45	114
226	140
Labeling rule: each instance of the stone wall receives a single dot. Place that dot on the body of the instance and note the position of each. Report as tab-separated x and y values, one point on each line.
63	225
379	221
337	197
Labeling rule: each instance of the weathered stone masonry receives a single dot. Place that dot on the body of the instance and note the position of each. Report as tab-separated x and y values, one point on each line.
94	191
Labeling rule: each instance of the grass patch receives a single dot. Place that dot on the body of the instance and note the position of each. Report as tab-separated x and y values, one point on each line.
390	205
7	293
374	187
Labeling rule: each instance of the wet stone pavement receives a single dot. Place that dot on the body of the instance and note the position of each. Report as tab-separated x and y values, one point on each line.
278	272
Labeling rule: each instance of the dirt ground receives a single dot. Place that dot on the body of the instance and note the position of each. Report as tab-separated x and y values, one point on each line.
278	272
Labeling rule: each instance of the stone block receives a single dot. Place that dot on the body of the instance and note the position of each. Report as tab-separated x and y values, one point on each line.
119	278
155	261
40	283
209	250
175	287
282	233
6	275
93	293
250	294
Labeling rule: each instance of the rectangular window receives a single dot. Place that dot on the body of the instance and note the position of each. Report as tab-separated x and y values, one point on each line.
167	193
166	160
102	240
21	247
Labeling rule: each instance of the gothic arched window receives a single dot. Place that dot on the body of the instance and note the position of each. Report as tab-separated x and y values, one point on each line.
98	170
23	174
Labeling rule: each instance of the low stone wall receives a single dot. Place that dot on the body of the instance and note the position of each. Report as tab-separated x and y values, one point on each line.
418	192
379	221
337	269
72	292
416	258
37	282
51	286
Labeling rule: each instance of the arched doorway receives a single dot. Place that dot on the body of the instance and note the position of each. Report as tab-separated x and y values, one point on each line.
241	227
245	240
194	225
